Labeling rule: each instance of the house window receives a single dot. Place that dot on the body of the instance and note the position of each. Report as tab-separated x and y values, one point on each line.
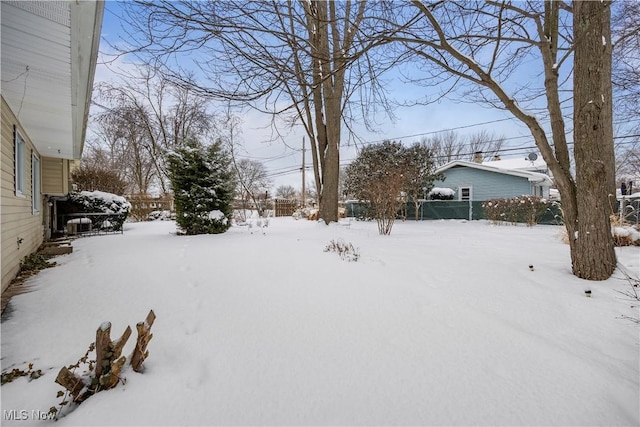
35	183
465	193
19	149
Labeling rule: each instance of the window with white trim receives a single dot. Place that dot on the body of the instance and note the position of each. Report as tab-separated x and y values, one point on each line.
35	183
465	193
19	147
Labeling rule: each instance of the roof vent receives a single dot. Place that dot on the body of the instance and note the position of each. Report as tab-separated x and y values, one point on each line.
532	157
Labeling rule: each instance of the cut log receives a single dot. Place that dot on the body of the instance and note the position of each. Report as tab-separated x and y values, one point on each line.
140	353
71	382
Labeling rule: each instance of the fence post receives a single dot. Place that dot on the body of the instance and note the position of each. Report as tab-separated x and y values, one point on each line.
621	208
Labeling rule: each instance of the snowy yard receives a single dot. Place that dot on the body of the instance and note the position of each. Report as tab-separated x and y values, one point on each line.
441	323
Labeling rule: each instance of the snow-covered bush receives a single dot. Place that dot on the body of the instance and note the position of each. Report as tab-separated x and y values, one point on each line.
309	213
521	209
113	207
441	193
160	216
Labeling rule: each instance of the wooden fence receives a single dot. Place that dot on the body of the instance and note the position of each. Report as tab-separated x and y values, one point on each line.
285	207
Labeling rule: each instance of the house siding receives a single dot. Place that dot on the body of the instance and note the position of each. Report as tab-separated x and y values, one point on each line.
485	185
17	219
55	176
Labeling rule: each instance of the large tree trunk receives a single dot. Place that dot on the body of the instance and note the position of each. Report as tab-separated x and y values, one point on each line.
594	257
331	174
328	83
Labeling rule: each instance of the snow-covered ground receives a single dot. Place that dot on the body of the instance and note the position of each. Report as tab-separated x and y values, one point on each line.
441	323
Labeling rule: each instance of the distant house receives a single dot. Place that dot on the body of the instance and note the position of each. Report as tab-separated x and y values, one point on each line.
49	53
484	181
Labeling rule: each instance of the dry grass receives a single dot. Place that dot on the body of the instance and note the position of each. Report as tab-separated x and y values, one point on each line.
624	234
564	236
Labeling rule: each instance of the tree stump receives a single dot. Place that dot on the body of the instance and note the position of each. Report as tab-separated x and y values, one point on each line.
140	353
110	379
108	360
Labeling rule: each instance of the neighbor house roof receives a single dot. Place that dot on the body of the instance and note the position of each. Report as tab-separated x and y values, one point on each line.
49	51
534	177
518	164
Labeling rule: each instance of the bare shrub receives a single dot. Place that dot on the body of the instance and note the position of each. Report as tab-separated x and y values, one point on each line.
346	250
95	178
632	294
522	209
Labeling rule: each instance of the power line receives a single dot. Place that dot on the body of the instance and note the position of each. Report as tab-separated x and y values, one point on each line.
286	170
439	131
503	150
291	169
475	125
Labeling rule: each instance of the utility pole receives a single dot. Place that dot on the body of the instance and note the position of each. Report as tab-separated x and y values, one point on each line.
304	195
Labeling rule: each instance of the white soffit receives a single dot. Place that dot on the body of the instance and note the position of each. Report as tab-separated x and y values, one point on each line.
38	83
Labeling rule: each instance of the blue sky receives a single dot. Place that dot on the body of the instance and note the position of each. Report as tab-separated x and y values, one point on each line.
283	159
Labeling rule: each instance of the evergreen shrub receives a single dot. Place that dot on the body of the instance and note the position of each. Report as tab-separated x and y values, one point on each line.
202	184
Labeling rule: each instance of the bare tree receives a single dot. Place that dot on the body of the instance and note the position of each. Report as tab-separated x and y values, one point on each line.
626	85
628	165
252	182
482	44
310	193
122	147
486	143
251	178
98	152
626	54
449	146
307	62
92	177
445	146
155	117
286	192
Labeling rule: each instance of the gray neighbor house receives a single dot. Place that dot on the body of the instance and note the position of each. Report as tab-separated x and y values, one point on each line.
475	182
497	179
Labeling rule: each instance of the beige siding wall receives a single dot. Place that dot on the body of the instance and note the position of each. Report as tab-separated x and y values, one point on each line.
55	176
18	222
